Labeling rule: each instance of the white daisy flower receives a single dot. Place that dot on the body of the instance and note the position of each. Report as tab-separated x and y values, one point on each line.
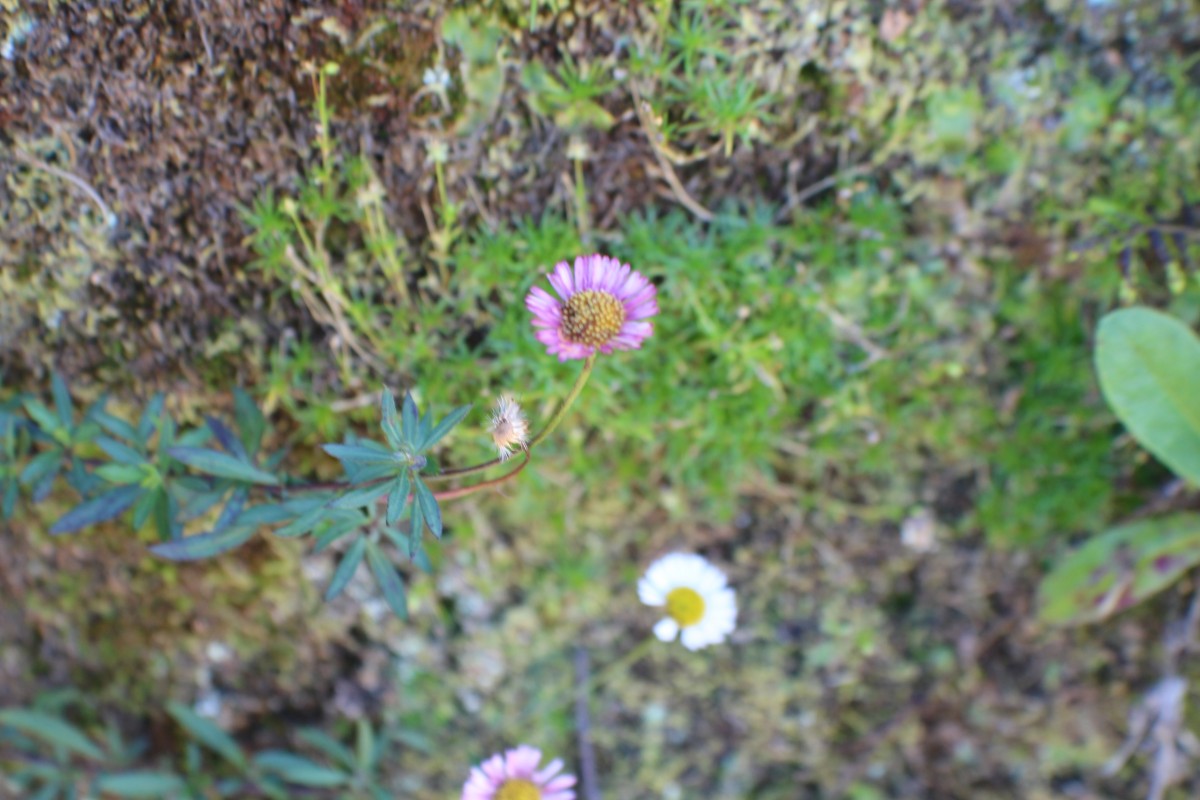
697	597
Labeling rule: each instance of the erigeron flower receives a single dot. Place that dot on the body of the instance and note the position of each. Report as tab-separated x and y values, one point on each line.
604	307
514	775
509	428
696	596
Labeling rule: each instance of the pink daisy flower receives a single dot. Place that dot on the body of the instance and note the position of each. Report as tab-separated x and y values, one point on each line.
514	775
604	307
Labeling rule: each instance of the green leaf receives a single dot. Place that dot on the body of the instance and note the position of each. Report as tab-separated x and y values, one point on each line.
391	426
409	416
62	399
166	517
119	451
223	465
150	417
336	531
304	523
143	507
140	784
204	545
121	473
40	466
388	580
1149	367
207	733
362	496
51	730
331	747
429	508
114	425
1120	568
397	499
98	509
44	417
350	454
298	769
231	443
445	426
416	529
250	420
346	569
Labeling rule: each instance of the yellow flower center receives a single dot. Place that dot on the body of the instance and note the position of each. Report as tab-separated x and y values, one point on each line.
685	606
519	789
592	317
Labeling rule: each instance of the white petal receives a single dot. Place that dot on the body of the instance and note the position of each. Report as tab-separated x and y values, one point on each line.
650	593
666	629
694	637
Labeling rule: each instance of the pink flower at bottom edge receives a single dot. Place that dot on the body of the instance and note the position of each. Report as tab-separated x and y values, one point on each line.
518	769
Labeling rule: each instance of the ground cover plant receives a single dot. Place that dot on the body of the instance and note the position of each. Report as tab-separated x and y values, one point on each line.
872	468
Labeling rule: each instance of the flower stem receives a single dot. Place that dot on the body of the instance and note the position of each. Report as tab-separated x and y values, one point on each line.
580	382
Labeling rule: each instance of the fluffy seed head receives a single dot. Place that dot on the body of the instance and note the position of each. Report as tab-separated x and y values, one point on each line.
509	428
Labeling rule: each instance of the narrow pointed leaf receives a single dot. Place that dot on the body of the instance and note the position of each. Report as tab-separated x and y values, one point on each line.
304	523
41	465
150	417
446	424
362	496
62	399
409	420
204	545
140	784
397	499
227	439
114	425
98	509
119	451
166	517
331	747
120	473
346	568
46	419
250	420
207	733
415	530
143	507
298	770
222	465
429	507
360	453
388	580
52	730
390	424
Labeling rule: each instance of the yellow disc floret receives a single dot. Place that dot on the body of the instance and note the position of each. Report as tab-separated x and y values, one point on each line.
518	789
592	317
685	606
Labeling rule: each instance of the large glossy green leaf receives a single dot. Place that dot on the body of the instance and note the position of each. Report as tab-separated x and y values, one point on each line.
222	465
51	730
1120	568
98	509
1149	368
207	733
140	784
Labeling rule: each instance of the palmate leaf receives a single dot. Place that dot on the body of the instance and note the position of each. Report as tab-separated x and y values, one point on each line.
222	465
388	579
98	509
